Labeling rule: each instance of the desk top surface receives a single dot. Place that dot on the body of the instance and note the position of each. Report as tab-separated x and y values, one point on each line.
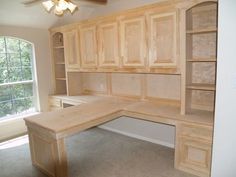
98	107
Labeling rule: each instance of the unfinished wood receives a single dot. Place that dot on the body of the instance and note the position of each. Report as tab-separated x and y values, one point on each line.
88	46
194	156
94	83
203	30
204	100
196	131
208	87
128	85
133	41
201	44
163	86
71	47
55	126
74	83
42	153
108	44
162	40
58	60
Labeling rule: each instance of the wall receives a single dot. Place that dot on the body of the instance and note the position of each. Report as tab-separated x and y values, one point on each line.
40	39
224	141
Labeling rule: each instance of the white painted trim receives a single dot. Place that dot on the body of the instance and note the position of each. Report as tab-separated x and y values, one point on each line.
159	142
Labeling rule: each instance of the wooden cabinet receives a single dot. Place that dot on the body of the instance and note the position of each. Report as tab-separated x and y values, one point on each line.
71	46
193	149
58	61
108	44
133	41
162	40
54	103
200	57
88	46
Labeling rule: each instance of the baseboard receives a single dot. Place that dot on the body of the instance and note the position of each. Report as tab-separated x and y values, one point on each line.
138	137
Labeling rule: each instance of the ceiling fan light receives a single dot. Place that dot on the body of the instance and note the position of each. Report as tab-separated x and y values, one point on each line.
62	4
48	5
71	7
58	11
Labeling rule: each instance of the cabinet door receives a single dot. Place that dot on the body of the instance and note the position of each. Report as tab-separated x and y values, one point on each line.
194	156
88	46
71	49
108	45
133	42
162	40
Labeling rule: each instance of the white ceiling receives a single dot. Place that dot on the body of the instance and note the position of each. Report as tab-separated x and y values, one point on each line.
14	13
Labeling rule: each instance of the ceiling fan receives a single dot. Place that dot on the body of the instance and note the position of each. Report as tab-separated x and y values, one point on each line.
60	5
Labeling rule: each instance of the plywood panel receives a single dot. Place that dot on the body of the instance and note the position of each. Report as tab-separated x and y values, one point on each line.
204	45
163	86
94	82
203	73
126	84
203	100
204	16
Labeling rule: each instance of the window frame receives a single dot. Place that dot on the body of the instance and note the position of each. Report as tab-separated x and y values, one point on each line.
32	81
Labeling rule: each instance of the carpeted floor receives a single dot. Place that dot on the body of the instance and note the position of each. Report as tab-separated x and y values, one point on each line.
99	153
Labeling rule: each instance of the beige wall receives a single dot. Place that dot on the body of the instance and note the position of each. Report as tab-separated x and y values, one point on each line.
40	39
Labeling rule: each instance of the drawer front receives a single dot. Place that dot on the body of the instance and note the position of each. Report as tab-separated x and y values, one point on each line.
194	156
196	131
56	102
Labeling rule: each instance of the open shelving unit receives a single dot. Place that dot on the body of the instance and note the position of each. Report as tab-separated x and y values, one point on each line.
201	43
59	63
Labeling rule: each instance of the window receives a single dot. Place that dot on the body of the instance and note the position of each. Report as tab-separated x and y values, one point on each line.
16	77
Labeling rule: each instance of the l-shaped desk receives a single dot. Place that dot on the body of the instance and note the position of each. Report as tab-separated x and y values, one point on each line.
47	131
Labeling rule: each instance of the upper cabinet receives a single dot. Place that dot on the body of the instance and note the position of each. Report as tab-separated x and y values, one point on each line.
108	44
88	46
133	42
162	40
71	45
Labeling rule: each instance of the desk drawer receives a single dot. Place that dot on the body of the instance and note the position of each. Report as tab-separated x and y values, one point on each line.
55	102
196	131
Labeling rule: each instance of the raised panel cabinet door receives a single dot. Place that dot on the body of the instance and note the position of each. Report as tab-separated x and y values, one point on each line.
194	156
88	46
162	40
71	49
133	42
108	45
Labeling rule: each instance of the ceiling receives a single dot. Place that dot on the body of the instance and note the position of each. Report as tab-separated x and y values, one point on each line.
14	13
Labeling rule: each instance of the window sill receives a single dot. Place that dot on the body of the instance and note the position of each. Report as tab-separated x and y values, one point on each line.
4	120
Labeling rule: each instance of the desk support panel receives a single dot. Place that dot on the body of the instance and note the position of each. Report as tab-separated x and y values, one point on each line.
49	155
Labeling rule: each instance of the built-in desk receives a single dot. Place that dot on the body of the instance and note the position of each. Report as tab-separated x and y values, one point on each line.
47	131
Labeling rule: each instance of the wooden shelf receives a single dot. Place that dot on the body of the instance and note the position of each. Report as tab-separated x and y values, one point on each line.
60	63
61	78
59	47
206	87
203	30
202	60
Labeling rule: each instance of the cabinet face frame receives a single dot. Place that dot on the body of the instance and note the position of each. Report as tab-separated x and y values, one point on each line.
172	62
71	47
86	47
141	61
114	60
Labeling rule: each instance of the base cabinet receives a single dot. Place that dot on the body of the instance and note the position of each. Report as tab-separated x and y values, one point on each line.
193	151
54	104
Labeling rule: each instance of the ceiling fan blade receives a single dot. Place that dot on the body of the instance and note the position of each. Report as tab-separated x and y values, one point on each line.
30	2
98	1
